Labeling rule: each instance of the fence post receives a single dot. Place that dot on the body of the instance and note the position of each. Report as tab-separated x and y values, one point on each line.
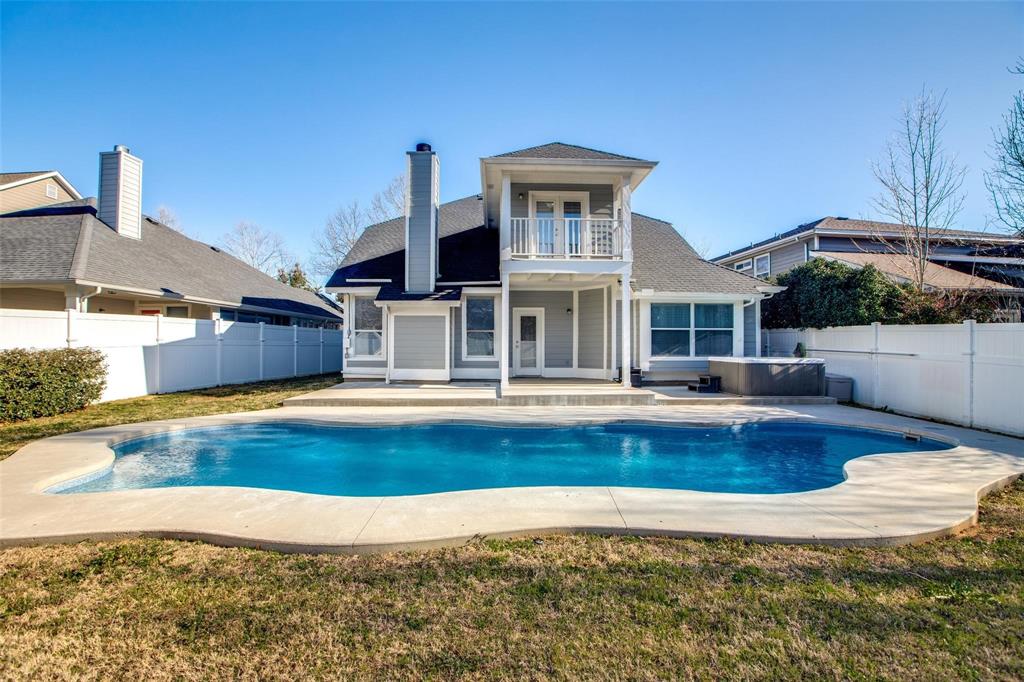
159	380
261	350
321	350
295	350
70	338
875	377
218	333
969	393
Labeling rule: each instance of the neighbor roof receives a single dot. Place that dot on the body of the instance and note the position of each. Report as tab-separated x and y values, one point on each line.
10	180
67	242
899	268
469	252
855	227
560	150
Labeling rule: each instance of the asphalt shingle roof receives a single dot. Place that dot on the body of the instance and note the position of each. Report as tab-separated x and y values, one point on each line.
68	242
853	226
560	150
662	259
14	177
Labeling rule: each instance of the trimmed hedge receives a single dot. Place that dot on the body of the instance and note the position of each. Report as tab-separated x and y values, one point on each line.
42	383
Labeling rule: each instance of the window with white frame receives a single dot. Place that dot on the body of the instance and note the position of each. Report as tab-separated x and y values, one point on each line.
762	265
367	328
712	325
743	265
691	329
670	329
478	328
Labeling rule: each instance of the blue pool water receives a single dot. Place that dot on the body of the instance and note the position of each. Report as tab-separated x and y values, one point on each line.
774	457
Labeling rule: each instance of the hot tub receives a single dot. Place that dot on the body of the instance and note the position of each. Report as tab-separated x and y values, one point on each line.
770	376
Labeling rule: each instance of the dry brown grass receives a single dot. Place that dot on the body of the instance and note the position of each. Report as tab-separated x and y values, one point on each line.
238	398
557	607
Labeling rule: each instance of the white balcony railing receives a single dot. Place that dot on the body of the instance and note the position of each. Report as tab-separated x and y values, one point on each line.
566	238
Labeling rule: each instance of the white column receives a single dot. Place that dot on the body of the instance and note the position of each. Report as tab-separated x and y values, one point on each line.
505	214
506	330
757	326
627	353
625	205
738	313
295	350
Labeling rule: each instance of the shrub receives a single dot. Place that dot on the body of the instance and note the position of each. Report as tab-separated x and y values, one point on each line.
41	383
823	293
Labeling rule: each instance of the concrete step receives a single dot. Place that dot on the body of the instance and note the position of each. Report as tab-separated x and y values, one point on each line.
577	399
712	399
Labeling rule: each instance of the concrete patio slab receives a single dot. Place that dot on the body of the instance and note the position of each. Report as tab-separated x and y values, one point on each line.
886	499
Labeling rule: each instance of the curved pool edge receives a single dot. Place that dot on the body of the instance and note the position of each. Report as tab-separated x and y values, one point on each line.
885	499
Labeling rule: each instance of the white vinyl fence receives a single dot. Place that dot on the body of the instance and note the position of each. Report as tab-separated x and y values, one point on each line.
155	354
970	374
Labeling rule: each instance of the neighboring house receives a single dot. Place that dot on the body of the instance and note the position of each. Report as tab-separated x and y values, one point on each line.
538	275
959	259
103	256
19	191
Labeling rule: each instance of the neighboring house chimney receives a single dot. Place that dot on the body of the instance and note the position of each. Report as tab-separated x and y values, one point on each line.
120	200
422	196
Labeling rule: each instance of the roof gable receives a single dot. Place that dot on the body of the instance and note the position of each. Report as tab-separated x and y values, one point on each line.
561	150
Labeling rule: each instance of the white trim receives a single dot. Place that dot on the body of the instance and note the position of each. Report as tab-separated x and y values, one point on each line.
462	284
464	319
768	271
408	201
368	281
365	373
646	331
616	301
757	326
743	265
517	314
68	187
353	330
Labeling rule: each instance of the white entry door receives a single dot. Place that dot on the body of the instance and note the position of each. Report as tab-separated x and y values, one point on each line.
527	341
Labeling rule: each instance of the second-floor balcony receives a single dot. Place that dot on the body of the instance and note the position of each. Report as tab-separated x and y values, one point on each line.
595	238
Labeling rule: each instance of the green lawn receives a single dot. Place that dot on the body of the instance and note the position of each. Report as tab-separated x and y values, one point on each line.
239	398
562	607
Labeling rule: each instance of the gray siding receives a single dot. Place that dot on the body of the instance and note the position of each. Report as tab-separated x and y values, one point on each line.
750	330
601	197
787	257
419	341
457	342
557	323
591	328
422	220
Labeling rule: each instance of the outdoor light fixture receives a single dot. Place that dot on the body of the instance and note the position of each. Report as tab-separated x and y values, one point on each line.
568	311
520	195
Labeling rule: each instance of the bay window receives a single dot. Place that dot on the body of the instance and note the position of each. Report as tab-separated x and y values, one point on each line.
691	329
367	328
478	328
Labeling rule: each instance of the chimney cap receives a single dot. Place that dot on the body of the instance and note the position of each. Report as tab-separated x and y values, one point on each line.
422	147
122	148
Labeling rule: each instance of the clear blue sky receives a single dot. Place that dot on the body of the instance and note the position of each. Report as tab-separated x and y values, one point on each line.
762	115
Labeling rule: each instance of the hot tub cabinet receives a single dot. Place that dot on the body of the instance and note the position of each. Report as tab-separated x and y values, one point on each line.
770	376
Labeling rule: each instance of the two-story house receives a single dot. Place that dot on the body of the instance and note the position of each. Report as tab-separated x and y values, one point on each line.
547	272
959	259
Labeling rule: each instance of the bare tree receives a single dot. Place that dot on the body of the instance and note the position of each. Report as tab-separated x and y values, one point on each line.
332	244
389	202
921	185
167	216
1005	181
262	249
343	227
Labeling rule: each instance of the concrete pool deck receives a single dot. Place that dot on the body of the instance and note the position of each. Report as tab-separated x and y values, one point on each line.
886	499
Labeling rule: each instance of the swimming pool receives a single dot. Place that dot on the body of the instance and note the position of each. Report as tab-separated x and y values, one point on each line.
767	457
